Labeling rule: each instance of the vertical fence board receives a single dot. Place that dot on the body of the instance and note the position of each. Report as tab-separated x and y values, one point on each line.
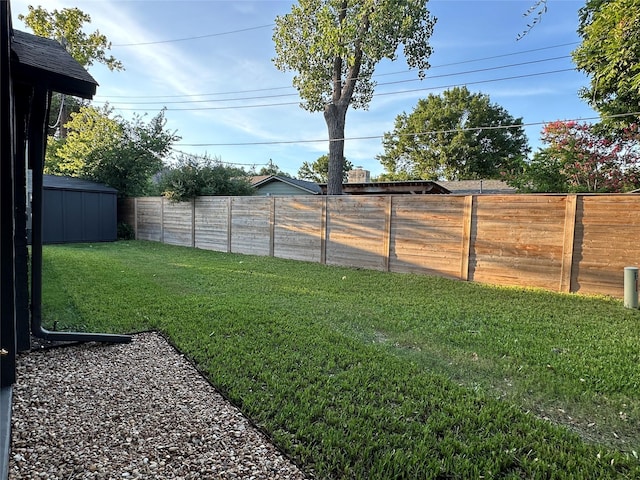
567	247
386	240
467	218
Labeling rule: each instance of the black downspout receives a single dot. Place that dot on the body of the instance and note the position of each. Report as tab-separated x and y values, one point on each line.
36	147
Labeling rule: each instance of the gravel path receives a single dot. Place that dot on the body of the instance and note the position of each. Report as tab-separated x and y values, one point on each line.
137	410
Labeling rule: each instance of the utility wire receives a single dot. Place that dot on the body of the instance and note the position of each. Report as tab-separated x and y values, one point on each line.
411	134
262	105
193	38
262	97
377	75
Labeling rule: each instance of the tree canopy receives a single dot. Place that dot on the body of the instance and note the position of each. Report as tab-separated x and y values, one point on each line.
578	157
458	135
109	149
272	169
318	171
334	47
67	27
610	55
196	176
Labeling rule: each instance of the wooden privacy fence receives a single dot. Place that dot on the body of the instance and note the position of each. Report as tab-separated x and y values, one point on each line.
567	243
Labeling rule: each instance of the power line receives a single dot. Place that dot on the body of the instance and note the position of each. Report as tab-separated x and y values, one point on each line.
411	134
204	156
378	75
514	77
193	38
262	97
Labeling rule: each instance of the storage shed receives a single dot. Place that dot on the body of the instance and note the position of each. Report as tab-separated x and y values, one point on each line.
76	210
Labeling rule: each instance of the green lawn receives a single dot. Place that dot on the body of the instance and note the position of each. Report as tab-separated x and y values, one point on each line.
363	374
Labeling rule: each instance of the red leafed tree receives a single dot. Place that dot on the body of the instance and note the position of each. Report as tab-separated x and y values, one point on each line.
591	161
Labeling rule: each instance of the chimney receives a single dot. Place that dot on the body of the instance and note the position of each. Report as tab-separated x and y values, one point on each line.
359	175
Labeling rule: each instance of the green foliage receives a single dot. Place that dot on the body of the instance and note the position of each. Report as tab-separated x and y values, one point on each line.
442	139
193	177
126	231
272	169
543	174
317	35
67	26
334	46
578	157
371	375
318	171
609	54
110	150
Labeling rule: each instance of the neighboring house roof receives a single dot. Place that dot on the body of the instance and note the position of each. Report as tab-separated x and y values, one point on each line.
70	183
413	187
303	185
47	61
475	187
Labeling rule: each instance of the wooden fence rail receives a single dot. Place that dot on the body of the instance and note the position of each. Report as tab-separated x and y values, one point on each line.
568	243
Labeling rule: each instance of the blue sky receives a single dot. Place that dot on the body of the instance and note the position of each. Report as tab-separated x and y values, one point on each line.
225	98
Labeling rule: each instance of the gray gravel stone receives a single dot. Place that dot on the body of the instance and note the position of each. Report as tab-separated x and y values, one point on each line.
130	411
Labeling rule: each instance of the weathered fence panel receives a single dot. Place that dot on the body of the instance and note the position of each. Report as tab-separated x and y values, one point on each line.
518	240
356	231
607	239
212	219
149	221
178	223
569	243
251	225
298	228
427	235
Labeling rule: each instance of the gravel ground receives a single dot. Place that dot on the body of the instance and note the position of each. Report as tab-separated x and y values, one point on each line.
137	410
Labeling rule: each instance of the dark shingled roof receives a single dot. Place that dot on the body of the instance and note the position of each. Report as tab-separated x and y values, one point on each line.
310	187
70	183
45	60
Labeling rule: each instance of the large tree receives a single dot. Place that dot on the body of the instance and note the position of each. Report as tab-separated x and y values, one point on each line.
67	26
318	171
109	149
454	136
334	46
610	55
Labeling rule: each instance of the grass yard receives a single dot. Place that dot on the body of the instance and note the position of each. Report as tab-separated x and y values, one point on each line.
371	375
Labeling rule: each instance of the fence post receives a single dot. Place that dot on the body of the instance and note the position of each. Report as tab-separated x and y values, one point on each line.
387	232
272	226
193	223
323	231
567	246
229	220
467	217
135	218
161	219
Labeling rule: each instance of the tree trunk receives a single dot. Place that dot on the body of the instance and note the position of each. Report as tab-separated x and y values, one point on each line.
335	116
